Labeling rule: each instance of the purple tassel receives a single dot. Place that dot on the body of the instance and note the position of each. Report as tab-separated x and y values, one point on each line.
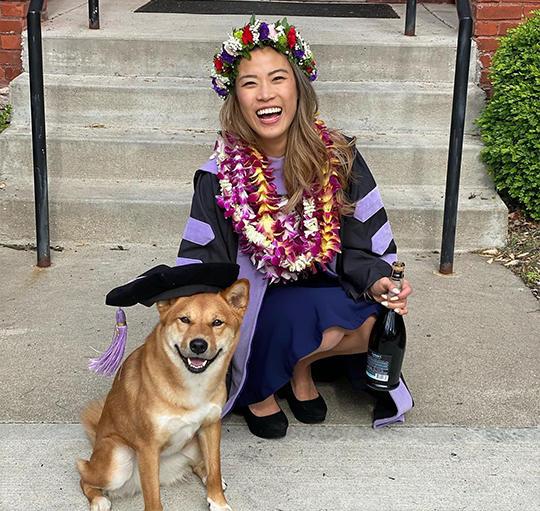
111	360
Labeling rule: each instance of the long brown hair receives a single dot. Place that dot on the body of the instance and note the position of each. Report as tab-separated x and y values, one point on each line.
306	155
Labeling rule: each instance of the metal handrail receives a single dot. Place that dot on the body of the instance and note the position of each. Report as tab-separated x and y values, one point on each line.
455	149
93	14
459	107
37	105
410	18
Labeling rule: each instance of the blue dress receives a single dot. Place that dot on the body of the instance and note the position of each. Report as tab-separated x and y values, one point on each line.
290	326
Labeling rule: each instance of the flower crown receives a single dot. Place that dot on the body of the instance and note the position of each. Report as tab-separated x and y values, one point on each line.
279	35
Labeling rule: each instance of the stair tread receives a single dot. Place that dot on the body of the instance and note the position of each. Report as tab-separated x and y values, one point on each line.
102	132
170	191
167	82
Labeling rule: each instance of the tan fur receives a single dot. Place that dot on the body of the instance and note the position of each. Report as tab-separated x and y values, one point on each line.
90	418
144	433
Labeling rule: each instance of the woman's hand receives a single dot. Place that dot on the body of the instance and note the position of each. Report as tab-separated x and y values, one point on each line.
381	293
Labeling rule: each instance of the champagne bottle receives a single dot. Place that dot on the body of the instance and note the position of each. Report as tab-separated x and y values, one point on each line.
387	343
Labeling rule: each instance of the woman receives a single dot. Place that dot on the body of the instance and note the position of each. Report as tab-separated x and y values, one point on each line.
295	205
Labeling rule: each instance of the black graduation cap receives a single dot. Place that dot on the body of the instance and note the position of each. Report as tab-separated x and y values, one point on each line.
163	282
160	283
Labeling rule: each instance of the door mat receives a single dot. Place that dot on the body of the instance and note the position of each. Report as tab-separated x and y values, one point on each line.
280	9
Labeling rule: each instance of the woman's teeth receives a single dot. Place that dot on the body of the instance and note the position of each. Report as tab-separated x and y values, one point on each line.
268	111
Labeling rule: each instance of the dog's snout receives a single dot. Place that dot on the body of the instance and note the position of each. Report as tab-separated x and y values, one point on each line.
198	346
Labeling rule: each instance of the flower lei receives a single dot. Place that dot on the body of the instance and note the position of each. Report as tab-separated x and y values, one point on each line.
279	35
281	245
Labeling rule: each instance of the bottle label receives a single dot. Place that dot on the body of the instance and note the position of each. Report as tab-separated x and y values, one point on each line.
378	366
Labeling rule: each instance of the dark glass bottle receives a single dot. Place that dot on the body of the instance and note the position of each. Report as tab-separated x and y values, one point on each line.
387	343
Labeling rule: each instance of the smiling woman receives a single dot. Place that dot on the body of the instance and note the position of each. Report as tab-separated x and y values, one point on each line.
295	205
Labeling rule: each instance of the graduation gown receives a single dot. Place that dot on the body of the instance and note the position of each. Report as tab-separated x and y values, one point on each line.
367	251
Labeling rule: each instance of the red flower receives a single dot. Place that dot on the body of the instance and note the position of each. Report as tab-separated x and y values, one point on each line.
219	65
309	69
291	37
247	36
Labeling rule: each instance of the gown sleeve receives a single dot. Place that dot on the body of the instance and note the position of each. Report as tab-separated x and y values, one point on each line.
367	243
208	236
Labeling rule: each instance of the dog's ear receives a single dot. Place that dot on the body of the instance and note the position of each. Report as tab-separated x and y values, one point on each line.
237	296
163	307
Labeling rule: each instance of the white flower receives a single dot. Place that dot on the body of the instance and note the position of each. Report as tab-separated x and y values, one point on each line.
272	34
232	45
301	263
256	237
226	186
309	207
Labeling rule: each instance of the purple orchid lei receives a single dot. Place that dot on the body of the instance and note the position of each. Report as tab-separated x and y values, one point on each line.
281	245
257	34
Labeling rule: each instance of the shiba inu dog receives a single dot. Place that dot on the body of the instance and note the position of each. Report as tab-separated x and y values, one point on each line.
162	416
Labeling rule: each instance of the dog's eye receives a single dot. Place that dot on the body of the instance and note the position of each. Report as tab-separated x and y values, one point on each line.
217	322
184	319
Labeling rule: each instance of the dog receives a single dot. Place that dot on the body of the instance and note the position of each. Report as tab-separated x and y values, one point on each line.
162	416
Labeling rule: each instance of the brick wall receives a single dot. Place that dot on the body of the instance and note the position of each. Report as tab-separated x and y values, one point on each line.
492	20
12	24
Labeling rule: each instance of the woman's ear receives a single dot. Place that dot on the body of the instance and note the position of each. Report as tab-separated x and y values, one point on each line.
237	296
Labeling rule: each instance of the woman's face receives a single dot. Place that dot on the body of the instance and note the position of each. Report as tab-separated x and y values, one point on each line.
266	92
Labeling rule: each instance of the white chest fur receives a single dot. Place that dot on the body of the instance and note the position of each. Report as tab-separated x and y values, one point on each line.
178	430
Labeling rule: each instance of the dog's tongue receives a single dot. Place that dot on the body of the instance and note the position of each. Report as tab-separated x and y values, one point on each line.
197	362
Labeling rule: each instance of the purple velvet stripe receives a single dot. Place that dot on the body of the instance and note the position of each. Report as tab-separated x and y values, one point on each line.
381	239
198	232
368	206
210	166
404	403
389	258
240	359
181	261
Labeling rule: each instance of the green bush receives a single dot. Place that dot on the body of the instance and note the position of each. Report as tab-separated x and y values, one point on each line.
510	122
4	117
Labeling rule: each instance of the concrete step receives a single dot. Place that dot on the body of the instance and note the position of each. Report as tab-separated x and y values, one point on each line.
143	212
403	59
143	44
156	155
165	102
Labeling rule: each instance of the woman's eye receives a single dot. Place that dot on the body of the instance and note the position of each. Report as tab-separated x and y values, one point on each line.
217	322
184	319
279	78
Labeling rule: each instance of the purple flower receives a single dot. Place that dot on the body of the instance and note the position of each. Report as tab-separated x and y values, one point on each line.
227	57
263	31
299	53
218	89
313	76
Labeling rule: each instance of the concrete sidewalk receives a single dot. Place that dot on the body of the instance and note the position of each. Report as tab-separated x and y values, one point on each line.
471	442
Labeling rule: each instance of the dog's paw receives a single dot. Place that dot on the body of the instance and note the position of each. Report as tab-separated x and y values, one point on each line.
100	504
214	507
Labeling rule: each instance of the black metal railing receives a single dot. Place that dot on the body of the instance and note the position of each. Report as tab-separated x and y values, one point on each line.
455	149
459	107
37	105
93	14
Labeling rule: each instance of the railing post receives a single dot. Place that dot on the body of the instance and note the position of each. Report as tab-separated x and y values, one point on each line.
410	18
93	14
455	149
35	60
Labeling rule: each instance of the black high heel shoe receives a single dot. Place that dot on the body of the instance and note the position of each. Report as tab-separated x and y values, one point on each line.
271	426
312	411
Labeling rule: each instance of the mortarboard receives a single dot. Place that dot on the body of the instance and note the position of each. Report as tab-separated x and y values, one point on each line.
160	283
